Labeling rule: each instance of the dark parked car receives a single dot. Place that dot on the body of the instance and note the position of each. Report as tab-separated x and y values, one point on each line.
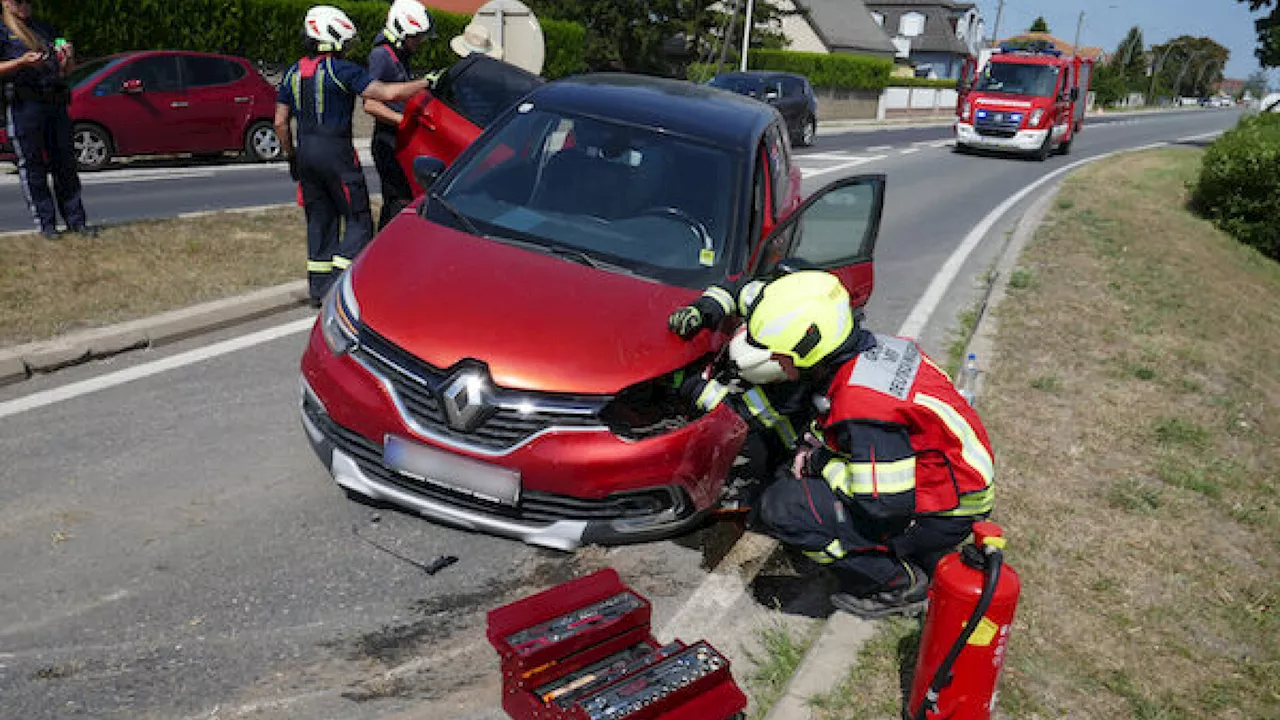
498	358
791	94
165	102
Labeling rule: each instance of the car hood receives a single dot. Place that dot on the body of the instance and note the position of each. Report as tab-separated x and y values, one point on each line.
539	322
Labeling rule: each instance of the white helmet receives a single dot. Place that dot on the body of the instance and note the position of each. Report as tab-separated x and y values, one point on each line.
407	18
329	27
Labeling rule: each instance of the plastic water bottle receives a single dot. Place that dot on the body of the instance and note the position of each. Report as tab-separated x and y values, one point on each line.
969	379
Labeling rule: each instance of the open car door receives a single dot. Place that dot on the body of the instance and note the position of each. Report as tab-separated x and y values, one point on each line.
835	229
465	100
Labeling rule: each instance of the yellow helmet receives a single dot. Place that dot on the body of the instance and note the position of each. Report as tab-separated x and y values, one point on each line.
799	320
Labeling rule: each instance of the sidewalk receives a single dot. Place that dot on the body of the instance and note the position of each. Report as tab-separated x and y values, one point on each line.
836	650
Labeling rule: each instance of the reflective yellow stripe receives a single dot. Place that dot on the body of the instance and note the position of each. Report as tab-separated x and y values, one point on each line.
861	478
748	296
934	365
831	553
336	81
721	297
763	411
320	96
975	503
340	263
318	266
296	82
971	448
711	395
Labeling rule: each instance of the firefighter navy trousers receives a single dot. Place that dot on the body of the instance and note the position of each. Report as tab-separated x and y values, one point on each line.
336	199
41	136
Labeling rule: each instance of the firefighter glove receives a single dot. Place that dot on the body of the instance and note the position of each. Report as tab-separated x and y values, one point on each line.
687	321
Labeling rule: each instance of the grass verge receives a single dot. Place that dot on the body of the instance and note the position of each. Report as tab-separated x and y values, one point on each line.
781	653
1134	404
49	288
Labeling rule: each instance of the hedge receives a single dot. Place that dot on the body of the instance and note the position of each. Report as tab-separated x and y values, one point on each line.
269	31
940	84
834	71
1239	184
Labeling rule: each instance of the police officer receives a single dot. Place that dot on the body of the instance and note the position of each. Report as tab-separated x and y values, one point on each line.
320	91
408	26
33	63
897	467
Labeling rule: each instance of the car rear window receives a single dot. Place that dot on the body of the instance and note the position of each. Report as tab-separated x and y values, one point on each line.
658	205
203	71
480	88
737	83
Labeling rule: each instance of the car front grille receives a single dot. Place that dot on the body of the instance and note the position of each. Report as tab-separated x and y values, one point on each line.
997	123
533	506
418	385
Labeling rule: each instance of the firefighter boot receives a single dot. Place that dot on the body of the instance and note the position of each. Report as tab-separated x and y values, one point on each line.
906	595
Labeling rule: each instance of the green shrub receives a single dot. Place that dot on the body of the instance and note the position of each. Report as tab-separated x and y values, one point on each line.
265	30
828	71
1239	184
939	84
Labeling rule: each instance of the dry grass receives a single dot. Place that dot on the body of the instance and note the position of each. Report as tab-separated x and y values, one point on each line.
48	288
1135	409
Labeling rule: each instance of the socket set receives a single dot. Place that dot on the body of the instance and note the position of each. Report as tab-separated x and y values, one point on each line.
584	650
651	686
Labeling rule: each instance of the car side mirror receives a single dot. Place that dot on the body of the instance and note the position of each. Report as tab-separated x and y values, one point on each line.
131	87
1075	94
426	169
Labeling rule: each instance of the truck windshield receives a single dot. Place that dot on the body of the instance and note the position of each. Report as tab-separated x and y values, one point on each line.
1019	79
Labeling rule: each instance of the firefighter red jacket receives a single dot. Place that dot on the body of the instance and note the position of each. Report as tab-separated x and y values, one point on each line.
900	440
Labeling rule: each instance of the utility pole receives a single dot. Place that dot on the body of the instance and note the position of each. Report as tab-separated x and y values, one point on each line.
995	34
1075	47
746	35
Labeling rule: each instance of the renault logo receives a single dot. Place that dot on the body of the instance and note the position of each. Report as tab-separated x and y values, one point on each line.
467	399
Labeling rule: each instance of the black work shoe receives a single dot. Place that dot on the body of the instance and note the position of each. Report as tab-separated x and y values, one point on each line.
86	230
909	600
49	234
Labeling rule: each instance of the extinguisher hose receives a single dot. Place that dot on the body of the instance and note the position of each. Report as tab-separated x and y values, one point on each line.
942	676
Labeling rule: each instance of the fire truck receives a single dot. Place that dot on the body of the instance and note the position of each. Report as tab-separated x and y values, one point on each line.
1022	99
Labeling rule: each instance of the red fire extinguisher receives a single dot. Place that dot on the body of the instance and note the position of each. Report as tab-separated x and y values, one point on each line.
966	631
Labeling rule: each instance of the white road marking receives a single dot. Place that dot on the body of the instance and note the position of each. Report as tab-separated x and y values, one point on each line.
879	148
120	377
909	151
827	156
1202	136
814	172
131	175
928	302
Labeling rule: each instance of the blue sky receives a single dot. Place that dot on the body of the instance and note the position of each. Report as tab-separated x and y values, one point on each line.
1106	22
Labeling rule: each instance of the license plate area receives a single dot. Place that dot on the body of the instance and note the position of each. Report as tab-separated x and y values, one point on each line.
451	472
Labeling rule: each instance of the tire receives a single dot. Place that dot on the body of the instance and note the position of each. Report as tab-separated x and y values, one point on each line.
1065	148
808	133
1047	149
92	146
961	149
261	144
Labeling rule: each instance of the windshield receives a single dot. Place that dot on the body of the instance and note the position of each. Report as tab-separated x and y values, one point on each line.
1019	79
83	72
599	192
737	83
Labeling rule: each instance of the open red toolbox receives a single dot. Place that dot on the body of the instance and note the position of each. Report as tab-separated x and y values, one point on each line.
584	651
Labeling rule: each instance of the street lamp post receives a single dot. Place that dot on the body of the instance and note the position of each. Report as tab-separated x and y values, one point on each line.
746	34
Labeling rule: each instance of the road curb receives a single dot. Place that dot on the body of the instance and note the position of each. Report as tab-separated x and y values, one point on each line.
836	650
23	361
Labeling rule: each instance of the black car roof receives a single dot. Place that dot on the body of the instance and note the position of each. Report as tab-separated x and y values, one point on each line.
683	108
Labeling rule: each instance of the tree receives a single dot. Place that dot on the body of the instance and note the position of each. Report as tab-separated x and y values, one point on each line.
1130	61
1189	66
658	37
1039	25
1268	28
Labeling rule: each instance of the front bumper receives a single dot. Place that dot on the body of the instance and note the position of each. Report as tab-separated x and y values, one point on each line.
1022	141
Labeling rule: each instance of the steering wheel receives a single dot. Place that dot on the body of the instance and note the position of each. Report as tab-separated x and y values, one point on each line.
699	230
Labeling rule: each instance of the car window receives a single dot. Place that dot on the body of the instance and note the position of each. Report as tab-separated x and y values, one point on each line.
779	166
741	84
203	71
655	204
158	74
792	88
1019	79
480	88
84	71
833	231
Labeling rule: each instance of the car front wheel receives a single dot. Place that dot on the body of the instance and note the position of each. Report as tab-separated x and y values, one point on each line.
808	133
261	144
92	146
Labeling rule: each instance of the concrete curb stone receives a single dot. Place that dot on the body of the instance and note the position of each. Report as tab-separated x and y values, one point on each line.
20	362
836	650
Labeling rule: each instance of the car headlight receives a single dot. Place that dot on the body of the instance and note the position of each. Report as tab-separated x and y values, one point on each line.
965	111
1036	115
340	317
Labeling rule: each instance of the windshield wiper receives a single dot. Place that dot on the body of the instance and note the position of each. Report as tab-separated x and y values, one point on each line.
466	221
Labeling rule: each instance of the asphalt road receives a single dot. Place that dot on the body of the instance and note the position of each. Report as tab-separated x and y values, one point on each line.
170	548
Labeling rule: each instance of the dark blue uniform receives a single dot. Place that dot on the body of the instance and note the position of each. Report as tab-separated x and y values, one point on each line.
321	90
39	127
388	64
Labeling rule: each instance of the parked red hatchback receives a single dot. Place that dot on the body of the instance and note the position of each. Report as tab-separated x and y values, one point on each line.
498	358
167	102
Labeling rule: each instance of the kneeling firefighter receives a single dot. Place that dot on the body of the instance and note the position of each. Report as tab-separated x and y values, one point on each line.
897	466
320	91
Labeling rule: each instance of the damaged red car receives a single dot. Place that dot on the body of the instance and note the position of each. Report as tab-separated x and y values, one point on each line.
498	358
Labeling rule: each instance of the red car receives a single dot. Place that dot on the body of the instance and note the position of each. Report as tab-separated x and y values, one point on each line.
163	102
498	358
